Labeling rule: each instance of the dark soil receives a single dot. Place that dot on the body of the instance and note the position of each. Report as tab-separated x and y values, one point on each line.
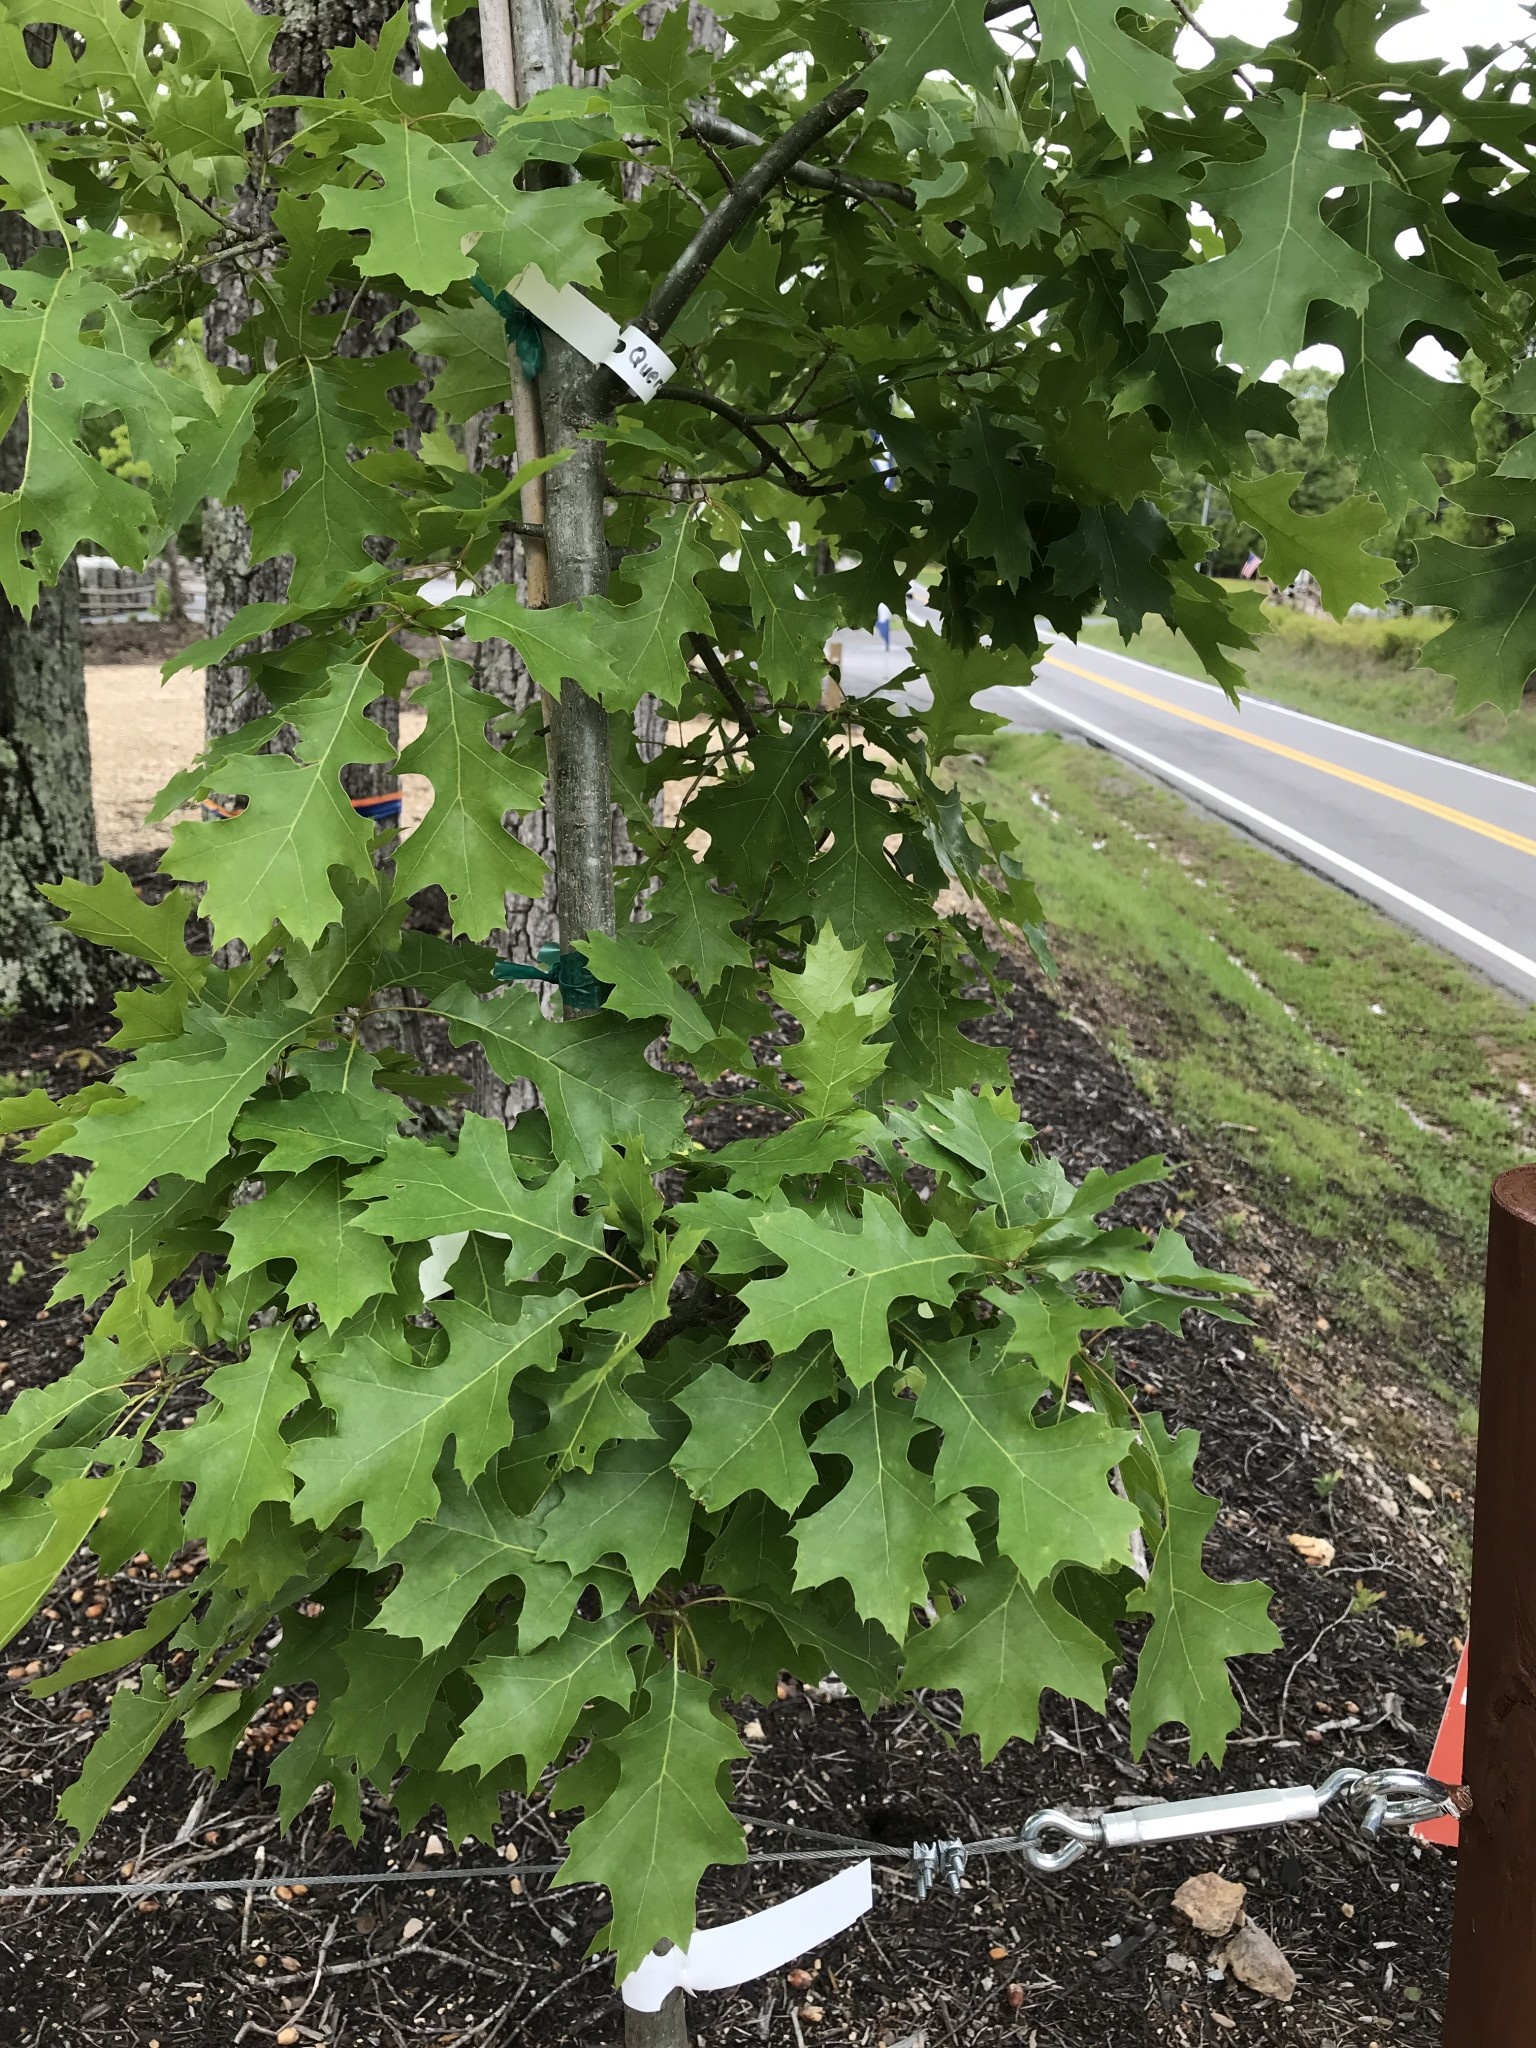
1095	1958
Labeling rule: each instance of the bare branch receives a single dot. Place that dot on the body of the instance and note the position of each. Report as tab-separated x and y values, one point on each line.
720	676
740	203
706	127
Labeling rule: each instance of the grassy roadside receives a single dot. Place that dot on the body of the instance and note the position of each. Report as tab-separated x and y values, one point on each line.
1357	674
1352	1079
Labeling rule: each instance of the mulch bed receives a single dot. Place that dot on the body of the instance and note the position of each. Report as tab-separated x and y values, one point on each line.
1094	1958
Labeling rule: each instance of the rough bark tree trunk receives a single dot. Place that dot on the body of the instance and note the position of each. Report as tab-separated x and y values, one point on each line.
310	29
47	823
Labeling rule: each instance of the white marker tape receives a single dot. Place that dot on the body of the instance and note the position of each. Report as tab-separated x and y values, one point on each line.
568	313
643	364
719	1957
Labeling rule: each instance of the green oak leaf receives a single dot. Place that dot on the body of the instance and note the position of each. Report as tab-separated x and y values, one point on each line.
953	676
641	986
879	1530
747	1433
641	640
1210	413
1331	544
529	1702
462	844
111	912
630	1505
691	923
1491	647
596	1087
309	431
339	1115
940	35
235	1454
1197	1622
475	1541
1287	257
846	1281
271	864
421	1191
139	1716
181	1099
1386	415
74	348
418	227
664	1822
795	613
386	1699
42	1539
833	1059
1125	76
471	343
553	227
393	1417
758	822
1001	1650
307	1218
1055	1504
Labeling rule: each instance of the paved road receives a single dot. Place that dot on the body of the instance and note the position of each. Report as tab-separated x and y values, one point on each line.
1447	849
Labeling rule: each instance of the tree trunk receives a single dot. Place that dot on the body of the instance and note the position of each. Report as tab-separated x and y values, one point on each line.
47	823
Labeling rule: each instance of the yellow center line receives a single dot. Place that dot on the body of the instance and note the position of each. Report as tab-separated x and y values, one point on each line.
1252	739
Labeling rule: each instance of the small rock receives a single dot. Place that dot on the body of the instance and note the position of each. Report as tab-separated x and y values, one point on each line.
997	1952
1211	1902
1421	1487
412	1928
1254	1960
797	1979
1177	1964
1015	1996
754	1732
1316	1551
434	1846
812	2014
286	2036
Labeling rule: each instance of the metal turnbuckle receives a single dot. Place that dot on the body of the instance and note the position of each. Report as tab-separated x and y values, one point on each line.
1053	1840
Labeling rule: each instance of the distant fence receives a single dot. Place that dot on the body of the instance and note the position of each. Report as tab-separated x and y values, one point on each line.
110	595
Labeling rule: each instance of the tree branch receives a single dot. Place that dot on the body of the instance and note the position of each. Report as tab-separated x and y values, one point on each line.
707	127
772	457
720	676
739	205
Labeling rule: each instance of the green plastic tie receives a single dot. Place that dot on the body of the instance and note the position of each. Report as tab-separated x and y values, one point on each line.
524	334
579	987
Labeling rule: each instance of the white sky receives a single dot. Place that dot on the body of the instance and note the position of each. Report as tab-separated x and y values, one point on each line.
1443	29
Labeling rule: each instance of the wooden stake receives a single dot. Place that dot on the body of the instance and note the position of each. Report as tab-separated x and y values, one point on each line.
1493	1953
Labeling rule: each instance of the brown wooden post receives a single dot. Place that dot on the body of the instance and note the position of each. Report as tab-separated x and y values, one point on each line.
1493	1954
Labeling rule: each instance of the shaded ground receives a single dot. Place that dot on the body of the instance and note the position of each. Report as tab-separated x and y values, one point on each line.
1097	1958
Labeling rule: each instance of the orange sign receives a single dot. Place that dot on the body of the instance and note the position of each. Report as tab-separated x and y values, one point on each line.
1446	1763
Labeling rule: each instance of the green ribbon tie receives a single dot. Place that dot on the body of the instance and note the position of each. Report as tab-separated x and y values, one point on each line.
524	334
579	987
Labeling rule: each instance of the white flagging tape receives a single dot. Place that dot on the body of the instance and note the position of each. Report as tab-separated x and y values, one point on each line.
719	1957
641	363
631	354
568	313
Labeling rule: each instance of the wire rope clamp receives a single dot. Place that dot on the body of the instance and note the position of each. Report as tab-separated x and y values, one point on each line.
932	1860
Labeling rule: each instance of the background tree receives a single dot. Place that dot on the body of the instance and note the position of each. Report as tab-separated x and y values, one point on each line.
47	819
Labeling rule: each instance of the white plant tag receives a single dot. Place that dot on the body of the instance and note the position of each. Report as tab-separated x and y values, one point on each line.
643	364
568	313
719	1957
